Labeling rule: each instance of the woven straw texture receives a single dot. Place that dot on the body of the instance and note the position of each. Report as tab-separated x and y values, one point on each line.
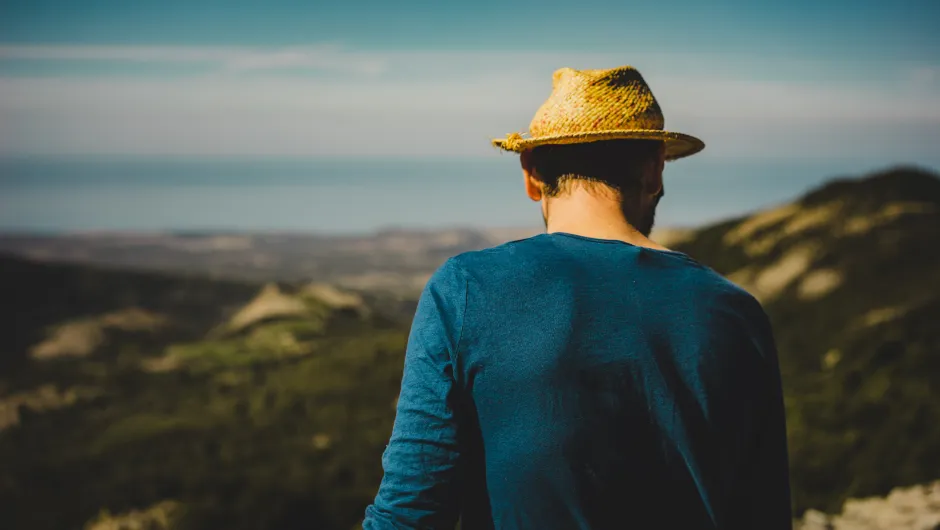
594	105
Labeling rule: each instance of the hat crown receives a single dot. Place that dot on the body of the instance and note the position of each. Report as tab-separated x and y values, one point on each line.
583	101
599	105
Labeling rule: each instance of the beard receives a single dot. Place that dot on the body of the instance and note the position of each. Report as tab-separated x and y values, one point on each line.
648	217
645	225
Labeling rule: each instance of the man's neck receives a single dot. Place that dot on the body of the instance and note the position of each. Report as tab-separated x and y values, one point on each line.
595	215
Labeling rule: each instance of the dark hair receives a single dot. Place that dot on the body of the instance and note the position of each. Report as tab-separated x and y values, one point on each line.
615	163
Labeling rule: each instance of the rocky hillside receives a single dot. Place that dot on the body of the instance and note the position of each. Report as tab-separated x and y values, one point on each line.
913	508
850	275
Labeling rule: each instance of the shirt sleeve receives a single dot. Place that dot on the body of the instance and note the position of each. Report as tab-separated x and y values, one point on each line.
419	488
766	499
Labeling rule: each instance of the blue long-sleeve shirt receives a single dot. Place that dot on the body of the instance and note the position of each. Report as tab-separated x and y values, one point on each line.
567	382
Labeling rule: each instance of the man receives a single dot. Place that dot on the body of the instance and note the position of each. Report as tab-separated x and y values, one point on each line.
588	378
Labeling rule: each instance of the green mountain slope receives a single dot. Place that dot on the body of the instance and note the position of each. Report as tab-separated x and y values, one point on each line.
219	404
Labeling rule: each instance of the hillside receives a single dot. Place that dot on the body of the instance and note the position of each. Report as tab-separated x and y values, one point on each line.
83	301
850	276
222	404
244	405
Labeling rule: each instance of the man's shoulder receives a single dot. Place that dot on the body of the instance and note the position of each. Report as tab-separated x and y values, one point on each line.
717	292
726	299
724	288
485	262
480	271
501	260
726	292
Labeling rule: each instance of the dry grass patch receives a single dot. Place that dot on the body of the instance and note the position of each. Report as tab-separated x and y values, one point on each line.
270	303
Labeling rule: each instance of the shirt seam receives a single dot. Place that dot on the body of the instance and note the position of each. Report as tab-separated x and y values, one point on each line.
463	316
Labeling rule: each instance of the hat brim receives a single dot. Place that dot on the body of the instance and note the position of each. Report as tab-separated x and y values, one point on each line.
678	145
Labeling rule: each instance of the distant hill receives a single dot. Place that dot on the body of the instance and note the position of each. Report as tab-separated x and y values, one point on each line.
398	261
238	403
850	276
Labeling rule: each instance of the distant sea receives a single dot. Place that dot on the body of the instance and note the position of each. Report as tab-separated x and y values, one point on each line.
108	193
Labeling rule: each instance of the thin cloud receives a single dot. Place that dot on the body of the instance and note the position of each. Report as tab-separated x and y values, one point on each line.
425	103
924	79
233	59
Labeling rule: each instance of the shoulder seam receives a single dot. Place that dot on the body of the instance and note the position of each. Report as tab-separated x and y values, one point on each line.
455	365
466	303
497	248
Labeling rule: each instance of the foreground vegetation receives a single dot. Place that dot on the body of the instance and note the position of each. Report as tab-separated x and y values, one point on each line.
276	425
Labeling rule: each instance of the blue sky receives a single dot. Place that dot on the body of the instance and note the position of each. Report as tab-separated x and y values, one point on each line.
902	29
421	79
784	94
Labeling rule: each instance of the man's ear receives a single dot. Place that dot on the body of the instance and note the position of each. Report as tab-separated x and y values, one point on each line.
533	186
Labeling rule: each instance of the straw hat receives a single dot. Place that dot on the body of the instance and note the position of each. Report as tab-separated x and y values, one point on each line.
593	105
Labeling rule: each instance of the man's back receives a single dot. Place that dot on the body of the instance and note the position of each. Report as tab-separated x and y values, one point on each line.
569	382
